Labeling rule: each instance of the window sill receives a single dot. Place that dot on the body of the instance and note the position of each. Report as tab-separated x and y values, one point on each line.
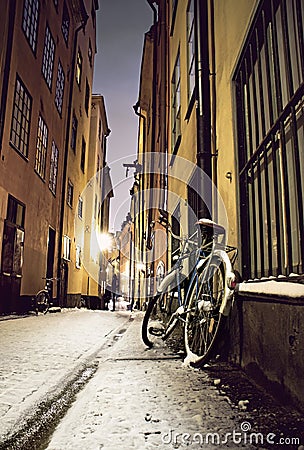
38	174
19	152
175	150
272	289
190	106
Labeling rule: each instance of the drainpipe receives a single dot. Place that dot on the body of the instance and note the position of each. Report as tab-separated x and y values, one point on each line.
142	221
203	114
213	111
7	66
154	93
142	189
66	150
163	103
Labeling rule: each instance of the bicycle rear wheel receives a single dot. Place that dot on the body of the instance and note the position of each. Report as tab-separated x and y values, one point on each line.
154	322
203	318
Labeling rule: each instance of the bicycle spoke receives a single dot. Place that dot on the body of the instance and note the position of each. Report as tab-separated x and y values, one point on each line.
203	312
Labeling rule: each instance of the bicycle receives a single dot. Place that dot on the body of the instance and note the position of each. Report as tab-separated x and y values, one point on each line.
42	300
208	299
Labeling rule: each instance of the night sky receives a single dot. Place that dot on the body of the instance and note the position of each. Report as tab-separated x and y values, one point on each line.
121	25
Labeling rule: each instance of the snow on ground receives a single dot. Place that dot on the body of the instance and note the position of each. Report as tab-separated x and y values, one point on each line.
38	352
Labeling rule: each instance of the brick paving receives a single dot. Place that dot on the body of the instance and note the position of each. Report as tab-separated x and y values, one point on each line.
146	399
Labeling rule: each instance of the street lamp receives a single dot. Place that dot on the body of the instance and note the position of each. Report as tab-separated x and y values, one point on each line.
105	241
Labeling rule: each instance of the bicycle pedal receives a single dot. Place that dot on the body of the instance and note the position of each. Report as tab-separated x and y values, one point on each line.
156	331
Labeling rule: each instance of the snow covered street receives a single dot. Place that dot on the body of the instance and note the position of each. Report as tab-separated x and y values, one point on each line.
133	398
39	353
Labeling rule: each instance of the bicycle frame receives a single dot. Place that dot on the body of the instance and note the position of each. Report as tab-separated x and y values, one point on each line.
229	277
218	250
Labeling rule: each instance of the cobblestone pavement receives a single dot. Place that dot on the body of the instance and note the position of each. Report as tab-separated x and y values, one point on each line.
136	398
146	399
38	353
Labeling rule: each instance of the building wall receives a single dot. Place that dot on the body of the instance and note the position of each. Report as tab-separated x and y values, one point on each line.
265	328
126	268
48	219
96	201
17	172
77	162
264	334
229	36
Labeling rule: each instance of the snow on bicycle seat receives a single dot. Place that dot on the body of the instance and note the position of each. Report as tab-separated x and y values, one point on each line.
218	229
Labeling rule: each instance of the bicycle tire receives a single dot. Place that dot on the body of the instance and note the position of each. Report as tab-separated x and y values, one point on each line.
204	322
153	317
43	301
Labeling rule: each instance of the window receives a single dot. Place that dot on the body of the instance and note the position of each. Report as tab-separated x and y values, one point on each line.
41	148
59	88
97	168
48	57
173	4
70	193
79	68
175	244
95	206
87	97
173	15
99	130
30	21
13	238
93	13
191	49
90	53
65	26
269	94
83	155
66	248
80	207
15	212
21	118
54	168
160	273
78	257
99	213
176	107
74	132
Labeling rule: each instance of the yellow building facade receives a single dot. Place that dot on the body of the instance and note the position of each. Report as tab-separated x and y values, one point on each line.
231	81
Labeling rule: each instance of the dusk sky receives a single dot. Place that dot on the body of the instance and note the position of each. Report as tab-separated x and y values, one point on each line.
121	25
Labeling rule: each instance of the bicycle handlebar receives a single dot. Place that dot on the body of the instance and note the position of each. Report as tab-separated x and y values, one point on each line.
50	279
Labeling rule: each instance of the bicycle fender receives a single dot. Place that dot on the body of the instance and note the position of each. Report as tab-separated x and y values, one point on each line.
165	283
229	278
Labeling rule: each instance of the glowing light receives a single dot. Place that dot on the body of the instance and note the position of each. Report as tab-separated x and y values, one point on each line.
105	241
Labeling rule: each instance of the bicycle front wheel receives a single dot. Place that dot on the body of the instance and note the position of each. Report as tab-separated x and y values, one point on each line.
153	325
203	318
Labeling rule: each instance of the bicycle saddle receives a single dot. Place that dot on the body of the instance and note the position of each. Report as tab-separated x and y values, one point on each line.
217	229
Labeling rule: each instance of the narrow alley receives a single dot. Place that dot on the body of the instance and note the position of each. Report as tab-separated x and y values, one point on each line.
94	385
